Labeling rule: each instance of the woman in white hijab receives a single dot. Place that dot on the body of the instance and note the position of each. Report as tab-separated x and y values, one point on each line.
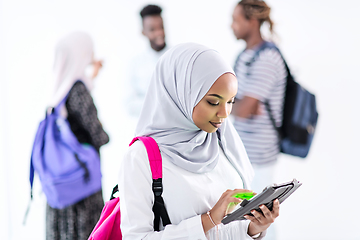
190	96
73	55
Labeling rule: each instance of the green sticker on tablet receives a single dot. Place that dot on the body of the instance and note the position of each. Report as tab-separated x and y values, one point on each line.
245	195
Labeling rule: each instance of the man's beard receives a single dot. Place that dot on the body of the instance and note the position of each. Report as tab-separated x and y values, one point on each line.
157	47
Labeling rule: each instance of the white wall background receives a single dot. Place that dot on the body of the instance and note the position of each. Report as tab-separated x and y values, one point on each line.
319	38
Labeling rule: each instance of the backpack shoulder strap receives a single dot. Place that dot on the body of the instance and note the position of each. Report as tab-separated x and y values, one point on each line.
263	46
154	155
155	161
270	45
289	79
237	60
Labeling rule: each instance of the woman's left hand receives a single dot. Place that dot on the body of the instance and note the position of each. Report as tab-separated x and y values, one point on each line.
261	221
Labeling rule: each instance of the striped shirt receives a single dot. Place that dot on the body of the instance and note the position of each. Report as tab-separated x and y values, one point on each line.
263	79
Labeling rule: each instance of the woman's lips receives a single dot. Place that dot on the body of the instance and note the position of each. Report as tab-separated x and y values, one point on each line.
216	124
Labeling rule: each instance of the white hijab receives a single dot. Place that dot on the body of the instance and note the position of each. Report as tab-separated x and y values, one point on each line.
73	54
183	76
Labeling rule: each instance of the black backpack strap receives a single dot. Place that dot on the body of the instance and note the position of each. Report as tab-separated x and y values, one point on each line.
155	161
270	45
159	205
289	79
84	167
278	129
237	60
115	190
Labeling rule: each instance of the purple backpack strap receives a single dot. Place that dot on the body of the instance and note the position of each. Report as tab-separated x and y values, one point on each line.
155	161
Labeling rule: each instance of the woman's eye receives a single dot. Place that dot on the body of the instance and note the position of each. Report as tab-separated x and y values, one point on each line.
232	102
213	104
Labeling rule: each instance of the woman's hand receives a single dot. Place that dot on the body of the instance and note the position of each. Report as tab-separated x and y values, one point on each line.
218	212
97	66
261	221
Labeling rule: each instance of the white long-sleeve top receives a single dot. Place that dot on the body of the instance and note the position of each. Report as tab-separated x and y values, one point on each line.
140	72
186	195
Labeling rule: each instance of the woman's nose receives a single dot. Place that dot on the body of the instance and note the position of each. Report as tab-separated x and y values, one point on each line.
224	111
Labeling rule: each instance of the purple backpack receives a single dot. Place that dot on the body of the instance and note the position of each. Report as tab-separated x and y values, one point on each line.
108	226
68	170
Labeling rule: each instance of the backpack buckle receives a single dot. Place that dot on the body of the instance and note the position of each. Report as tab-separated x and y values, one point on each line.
157	187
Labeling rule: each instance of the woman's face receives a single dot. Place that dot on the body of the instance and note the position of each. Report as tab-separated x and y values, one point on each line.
216	105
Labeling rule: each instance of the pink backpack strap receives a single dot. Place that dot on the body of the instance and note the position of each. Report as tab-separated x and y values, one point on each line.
154	155
155	161
108	226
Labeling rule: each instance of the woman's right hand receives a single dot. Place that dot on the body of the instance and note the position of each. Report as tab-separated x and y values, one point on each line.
97	66
218	212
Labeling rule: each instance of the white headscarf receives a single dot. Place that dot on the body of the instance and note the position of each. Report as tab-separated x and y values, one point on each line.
73	54
183	76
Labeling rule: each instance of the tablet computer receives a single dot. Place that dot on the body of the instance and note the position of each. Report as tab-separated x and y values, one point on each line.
266	197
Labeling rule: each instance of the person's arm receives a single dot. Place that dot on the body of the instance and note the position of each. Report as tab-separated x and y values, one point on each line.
246	107
259	86
136	202
81	105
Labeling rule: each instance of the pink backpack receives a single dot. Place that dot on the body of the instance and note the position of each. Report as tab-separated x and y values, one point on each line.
108	226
